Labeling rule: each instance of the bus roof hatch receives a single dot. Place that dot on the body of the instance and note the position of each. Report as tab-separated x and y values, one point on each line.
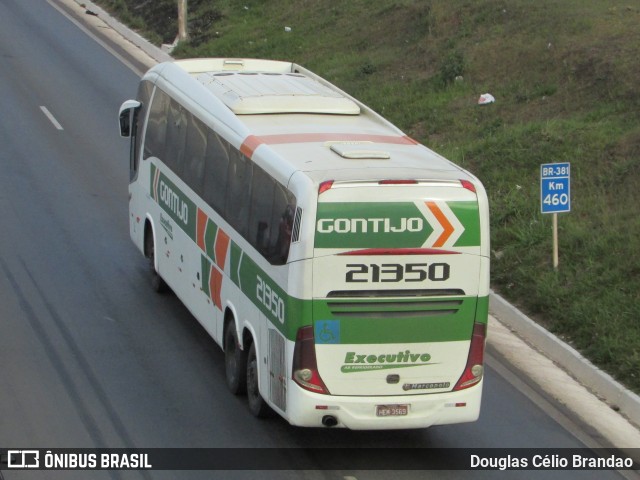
251	93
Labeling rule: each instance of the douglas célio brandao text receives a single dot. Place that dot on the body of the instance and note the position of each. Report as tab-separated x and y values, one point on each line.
550	462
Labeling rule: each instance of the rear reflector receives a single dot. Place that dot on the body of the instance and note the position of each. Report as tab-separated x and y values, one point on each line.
305	368
474	369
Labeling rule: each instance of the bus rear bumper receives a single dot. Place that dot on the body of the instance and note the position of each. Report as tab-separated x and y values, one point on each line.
359	413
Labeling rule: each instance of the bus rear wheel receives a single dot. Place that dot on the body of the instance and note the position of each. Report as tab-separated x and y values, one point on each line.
235	362
257	405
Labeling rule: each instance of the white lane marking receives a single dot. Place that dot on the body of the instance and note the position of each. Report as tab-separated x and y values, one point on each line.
51	118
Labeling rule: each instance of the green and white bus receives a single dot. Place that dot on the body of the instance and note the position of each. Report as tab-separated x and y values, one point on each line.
342	267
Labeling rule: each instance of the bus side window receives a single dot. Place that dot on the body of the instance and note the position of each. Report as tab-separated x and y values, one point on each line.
260	227
155	136
216	166
195	150
282	215
236	210
144	97
176	136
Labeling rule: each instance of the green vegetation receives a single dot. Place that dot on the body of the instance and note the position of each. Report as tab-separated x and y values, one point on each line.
564	75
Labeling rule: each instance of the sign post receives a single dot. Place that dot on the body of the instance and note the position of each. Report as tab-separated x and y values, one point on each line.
555	196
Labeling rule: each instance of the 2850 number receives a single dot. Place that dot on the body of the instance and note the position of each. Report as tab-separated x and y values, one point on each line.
273	302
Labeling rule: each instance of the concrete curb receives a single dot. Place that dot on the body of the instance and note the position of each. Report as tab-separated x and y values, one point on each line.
154	52
599	382
134	38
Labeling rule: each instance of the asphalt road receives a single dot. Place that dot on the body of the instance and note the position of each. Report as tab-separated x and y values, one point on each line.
90	356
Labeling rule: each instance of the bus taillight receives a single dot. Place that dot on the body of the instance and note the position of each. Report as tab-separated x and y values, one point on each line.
468	185
474	368
324	186
305	368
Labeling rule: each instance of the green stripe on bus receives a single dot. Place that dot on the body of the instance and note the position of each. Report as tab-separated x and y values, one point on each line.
271	299
236	255
424	326
469	216
388	225
205	268
482	310
210	238
174	202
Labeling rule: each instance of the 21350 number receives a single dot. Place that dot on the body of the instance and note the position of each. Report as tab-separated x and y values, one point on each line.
396	272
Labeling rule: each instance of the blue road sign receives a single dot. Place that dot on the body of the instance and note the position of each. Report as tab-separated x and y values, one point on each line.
555	187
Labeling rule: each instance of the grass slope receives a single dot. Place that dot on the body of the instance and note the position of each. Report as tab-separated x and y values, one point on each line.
564	74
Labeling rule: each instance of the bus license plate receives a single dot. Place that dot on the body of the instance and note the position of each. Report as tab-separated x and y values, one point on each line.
392	410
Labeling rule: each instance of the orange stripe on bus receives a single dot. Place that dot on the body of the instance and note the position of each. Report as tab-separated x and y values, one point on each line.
201	227
252	142
215	287
221	248
448	228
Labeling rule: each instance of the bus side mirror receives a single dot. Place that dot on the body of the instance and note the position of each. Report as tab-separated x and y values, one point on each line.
127	110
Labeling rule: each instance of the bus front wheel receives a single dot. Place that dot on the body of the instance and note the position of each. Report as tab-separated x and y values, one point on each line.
157	283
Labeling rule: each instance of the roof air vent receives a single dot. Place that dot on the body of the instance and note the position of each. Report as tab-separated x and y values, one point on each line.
358	151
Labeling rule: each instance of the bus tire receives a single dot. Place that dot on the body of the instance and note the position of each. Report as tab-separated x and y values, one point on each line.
157	283
235	361
257	405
